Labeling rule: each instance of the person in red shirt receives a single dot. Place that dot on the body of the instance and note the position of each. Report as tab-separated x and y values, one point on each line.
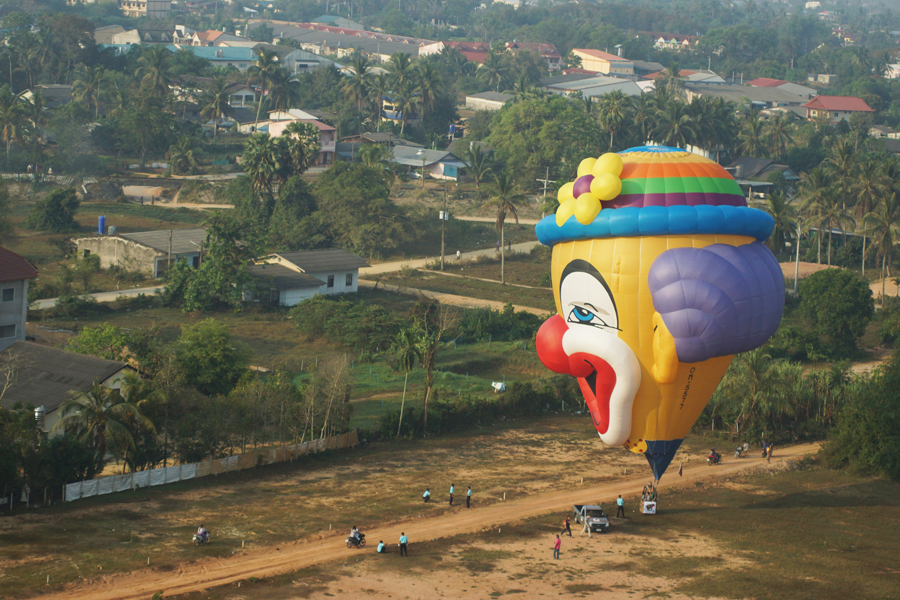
556	547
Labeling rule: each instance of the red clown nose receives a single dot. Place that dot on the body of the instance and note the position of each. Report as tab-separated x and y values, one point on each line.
549	344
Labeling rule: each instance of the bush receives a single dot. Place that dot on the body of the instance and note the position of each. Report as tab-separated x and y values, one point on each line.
354	324
837	305
72	305
504	326
54	213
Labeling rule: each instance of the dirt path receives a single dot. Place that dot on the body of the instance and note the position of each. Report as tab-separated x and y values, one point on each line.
197	577
452	299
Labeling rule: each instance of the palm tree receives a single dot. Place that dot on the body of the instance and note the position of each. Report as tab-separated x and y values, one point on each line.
261	162
407	353
400	66
429	85
380	85
751	137
778	134
357	86
374	155
35	113
815	193
831	213
869	184
613	113
261	74
841	163
493	70
405	100
505	199
480	164
181	156
304	147
87	88
284	90
11	118
674	81
642	115
883	225
154	70
784	215
98	416
674	125
215	102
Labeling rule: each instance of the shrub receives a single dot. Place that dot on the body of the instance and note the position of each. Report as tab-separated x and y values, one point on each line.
354	324
54	213
506	325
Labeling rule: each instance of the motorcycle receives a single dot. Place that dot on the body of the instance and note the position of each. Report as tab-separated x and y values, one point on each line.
201	539
739	452
713	459
356	543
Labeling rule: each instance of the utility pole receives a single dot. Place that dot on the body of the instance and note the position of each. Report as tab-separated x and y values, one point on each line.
546	180
797	262
444	216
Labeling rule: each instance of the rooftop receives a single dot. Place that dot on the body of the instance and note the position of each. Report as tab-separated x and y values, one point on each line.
319	261
495	96
282	278
766	82
846	103
49	376
601	54
184	241
740	93
411	157
14	267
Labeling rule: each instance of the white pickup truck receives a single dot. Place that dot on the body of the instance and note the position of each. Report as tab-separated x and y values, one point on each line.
594	515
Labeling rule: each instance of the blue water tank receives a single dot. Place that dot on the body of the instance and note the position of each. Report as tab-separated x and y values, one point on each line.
101	226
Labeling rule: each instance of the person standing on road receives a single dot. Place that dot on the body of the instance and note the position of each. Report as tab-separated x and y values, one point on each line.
403	541
498	247
451	494
458	256
585	528
469	497
620	504
556	547
567	526
769	453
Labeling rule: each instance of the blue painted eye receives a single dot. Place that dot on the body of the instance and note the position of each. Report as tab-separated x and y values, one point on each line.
584	316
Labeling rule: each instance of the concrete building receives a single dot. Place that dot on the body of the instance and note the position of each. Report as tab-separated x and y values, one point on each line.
835	108
49	376
603	62
594	87
321	40
15	272
279	121
155	9
488	100
437	164
145	251
760	97
289	278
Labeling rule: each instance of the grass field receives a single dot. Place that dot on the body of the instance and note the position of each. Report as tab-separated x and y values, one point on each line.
804	532
521	269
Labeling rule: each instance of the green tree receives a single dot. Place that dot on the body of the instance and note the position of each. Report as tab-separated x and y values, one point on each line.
210	358
105	341
837	305
215	102
674	126
883	225
784	214
614	112
55	213
181	156
153	70
284	89
12	119
480	164
88	88
505	199
261	74
357	86
407	353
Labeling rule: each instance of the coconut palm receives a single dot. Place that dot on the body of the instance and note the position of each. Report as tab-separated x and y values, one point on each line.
303	147
784	215
883	225
400	66
673	79
827	212
12	118
614	111
480	164
374	155
674	125
37	116
153	70
752	137
778	134
357	86
261	74
815	192
494	70
98	416
380	85
643	114
868	186
284	89
429	85
407	353
841	163
215	101
506	199
406	99
88	87
181	156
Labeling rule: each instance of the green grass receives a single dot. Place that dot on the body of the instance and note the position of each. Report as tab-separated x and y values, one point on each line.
521	269
473	288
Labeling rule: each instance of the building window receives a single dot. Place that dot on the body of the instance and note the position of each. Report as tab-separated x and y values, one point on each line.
331	281
85	253
9	294
349	279
7	331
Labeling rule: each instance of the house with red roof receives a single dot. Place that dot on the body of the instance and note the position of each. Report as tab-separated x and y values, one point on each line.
15	272
546	51
603	62
766	82
279	120
835	108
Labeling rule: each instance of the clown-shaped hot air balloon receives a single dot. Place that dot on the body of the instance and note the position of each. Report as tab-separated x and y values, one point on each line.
660	277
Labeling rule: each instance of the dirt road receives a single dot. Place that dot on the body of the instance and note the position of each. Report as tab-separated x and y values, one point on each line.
452	299
292	557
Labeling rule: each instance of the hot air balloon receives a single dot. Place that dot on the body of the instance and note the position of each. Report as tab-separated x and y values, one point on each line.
656	290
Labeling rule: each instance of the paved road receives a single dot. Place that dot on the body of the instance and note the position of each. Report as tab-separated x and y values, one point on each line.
200	575
416	263
103	296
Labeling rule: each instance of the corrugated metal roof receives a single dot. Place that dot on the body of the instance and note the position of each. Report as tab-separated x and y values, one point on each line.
184	241
282	278
48	376
321	261
495	96
411	157
14	267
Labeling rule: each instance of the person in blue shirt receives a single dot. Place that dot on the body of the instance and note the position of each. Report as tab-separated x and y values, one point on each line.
403	541
621	507
380	548
451	494
469	497
426	496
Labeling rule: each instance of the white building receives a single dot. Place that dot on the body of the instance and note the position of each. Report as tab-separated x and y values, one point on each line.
15	272
291	277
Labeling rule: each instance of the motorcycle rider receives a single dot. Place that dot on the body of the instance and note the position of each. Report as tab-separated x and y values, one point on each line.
202	533
715	456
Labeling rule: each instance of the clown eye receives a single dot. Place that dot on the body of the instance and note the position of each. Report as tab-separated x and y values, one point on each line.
584	316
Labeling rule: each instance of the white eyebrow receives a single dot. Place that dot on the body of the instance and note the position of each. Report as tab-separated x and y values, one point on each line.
599	310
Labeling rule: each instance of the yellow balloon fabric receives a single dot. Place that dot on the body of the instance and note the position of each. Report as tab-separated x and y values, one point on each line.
565	210
585	166
608	163
565	192
587	207
606	186
661	411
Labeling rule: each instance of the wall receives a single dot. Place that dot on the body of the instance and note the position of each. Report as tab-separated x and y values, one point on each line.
14	312
296	296
340	286
119	251
482	104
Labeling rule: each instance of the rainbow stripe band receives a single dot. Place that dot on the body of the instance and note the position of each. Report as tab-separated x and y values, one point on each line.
660	220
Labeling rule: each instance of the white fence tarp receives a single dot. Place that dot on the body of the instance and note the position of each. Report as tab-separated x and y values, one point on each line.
161	476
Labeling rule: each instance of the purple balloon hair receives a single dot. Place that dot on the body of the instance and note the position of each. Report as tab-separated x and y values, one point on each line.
718	300
582	185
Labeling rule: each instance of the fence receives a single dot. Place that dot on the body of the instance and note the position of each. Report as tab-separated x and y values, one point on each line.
175	473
